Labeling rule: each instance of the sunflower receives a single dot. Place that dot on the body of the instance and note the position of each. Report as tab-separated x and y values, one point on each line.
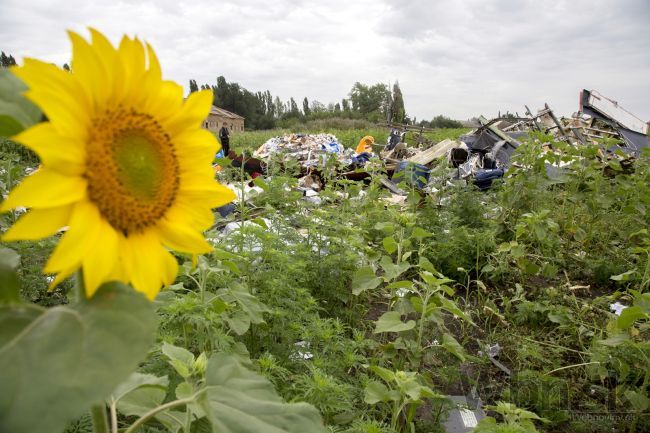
124	164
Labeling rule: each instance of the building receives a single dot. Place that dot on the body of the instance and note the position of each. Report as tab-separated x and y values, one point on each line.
219	117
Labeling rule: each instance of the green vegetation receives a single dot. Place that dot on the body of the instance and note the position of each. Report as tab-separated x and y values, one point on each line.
372	312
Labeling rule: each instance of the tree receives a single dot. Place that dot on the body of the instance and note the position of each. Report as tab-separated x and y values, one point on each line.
293	108
317	107
6	60
305	107
193	86
369	99
445	122
388	107
279	107
398	104
337	108
345	105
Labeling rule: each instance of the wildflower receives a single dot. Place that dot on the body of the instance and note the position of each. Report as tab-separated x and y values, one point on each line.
125	165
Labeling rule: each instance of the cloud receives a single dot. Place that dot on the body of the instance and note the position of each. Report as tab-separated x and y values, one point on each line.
458	58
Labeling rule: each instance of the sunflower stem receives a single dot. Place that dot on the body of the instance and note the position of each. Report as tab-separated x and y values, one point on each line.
100	421
79	287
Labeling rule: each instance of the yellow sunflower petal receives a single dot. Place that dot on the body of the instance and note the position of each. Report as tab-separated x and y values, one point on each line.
60	277
99	262
197	141
170	268
207	191
132	64
187	212
194	111
141	261
154	65
40	75
89	70
46	188
182	238
65	155
166	101
107	55
78	240
39	223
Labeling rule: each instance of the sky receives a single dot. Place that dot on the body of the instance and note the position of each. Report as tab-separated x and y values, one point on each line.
459	58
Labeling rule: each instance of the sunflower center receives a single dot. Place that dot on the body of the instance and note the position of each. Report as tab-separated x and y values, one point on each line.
132	170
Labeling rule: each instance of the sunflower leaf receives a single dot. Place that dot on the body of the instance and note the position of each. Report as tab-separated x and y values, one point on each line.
59	362
239	400
16	112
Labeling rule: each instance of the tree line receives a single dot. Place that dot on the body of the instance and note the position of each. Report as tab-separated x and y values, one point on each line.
375	103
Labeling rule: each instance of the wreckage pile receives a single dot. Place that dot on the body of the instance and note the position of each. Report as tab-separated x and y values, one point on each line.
309	150
480	156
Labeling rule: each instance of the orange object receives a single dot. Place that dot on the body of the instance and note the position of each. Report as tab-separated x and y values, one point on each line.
365	144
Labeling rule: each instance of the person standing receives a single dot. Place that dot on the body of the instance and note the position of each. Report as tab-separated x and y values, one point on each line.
224	138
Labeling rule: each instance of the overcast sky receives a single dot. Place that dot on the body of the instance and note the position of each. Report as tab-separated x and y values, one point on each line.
458	58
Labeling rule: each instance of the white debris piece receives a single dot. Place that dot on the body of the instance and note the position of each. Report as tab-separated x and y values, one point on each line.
617	308
308	149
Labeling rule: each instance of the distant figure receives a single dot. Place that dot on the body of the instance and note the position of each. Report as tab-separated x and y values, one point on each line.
224	138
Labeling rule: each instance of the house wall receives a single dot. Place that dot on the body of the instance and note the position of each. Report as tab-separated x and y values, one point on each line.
214	122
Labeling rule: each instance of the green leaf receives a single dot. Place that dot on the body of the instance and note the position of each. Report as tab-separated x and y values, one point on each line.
390	244
259	181
181	359
427	265
638	401
147	397
386	227
452	307
392	270
615	340
248	302
392	322
402	284
141	400
384	373
135	381
450	343
175	353
364	279
625	276
528	267
239	322
376	392
431	280
420	233
630	315
16	112
239	400
70	357
9	281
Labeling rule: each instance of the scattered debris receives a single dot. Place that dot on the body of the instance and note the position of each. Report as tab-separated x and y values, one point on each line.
492	352
480	157
310	150
465	414
302	351
617	308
